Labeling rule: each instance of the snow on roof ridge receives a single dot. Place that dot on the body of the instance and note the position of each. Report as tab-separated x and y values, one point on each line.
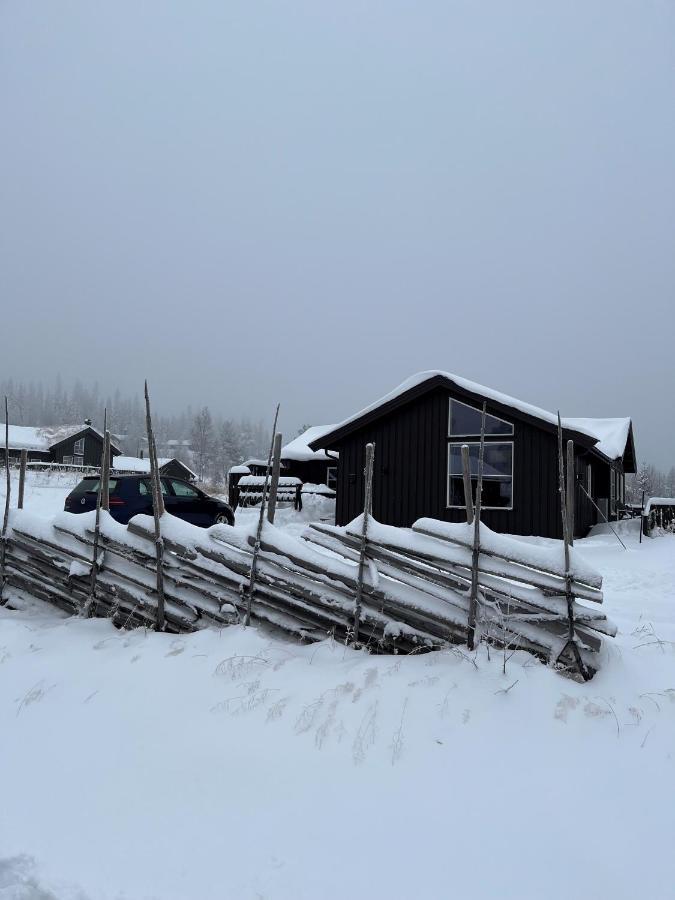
608	438
299	450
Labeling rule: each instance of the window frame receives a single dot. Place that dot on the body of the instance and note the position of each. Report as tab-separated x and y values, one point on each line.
452	436
334	470
453	443
78	447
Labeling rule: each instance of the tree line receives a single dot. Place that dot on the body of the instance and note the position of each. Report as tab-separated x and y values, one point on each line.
208	443
652	481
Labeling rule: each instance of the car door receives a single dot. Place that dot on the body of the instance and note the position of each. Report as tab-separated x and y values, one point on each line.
186	502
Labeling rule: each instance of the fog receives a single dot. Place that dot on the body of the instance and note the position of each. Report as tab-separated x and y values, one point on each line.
307	202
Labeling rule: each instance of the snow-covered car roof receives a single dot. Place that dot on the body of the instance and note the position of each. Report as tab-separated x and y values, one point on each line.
609	435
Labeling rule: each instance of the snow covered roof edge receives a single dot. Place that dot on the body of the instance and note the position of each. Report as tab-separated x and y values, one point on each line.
610	435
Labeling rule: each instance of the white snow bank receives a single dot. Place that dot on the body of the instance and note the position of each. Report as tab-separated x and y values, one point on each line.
228	764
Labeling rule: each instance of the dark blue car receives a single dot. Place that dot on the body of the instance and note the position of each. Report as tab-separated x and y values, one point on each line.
132	494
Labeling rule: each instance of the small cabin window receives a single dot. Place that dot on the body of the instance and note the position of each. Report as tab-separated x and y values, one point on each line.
67	460
589	479
331	477
497	475
78	447
465	421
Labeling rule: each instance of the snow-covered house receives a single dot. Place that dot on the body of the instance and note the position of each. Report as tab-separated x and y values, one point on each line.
75	445
299	460
418	430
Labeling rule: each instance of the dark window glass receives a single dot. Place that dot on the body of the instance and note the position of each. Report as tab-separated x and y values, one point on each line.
93	485
331	477
497	459
497	493
497	474
466	421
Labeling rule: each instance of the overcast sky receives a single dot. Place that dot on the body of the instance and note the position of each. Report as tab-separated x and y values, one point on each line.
309	201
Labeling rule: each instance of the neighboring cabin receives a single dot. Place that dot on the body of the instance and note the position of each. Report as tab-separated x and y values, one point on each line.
171	467
72	445
418	430
299	460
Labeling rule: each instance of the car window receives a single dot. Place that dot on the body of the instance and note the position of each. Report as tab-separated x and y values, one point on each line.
181	489
145	487
93	485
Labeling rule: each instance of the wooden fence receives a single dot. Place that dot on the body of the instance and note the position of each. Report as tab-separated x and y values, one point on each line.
414	589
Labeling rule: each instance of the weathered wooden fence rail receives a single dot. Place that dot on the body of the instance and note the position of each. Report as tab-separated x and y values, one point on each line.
413	592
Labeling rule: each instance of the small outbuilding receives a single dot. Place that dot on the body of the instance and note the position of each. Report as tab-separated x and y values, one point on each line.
171	467
299	460
419	429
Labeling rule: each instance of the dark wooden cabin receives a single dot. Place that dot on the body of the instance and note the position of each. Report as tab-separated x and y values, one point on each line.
418	431
71	445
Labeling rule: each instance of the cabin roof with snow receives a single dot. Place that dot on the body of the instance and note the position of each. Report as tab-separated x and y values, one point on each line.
43	438
299	449
611	438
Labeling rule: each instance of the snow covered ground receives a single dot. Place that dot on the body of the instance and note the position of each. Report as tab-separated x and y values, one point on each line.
226	764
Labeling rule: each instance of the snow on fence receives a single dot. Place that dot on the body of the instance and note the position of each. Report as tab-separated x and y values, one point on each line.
251	488
414	590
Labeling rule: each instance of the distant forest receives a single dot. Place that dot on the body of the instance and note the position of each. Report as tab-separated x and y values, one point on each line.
210	444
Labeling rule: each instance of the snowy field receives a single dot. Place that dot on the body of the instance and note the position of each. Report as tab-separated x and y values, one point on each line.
226	764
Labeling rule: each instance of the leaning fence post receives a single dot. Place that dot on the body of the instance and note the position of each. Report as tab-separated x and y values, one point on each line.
569	596
367	511
466	474
261	519
102	486
475	553
5	520
276	465
157	510
22	477
570	492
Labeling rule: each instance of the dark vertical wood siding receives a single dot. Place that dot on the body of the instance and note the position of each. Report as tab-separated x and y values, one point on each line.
411	472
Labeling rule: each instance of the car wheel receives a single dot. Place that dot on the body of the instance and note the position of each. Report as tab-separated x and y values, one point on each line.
221	519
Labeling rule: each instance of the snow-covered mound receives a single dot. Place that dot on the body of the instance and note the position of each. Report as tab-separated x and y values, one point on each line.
227	764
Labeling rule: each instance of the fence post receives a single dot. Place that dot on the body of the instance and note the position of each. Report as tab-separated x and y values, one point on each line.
5	520
367	511
642	516
105	470
276	465
570	492
571	638
22	477
157	511
466	474
475	553
89	606
261	519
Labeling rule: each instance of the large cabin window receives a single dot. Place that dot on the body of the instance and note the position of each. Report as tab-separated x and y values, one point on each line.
464	421
497	474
